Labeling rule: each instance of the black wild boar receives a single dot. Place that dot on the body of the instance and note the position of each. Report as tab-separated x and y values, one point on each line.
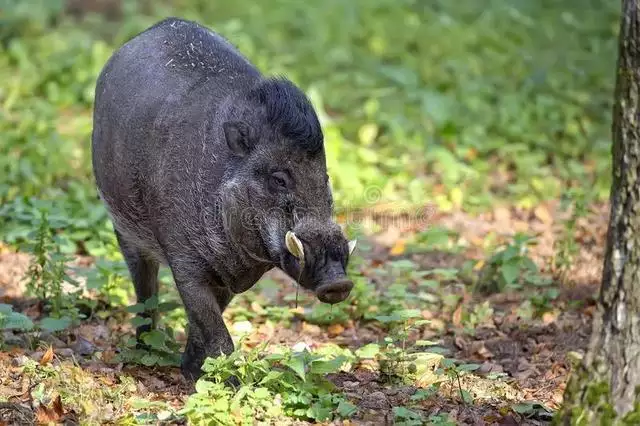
215	170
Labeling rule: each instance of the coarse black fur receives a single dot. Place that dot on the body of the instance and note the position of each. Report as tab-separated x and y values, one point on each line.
289	110
204	164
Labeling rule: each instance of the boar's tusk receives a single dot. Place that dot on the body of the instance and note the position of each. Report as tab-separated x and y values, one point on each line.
294	245
352	246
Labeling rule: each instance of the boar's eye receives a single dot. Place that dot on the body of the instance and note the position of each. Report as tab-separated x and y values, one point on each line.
279	181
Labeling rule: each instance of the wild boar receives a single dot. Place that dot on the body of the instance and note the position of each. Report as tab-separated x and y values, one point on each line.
215	170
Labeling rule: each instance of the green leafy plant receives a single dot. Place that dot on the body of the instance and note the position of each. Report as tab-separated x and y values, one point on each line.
435	238
542	301
47	274
159	346
396	362
510	268
481	313
440	420
10	320
504	118
533	410
566	247
270	385
405	417
111	280
450	368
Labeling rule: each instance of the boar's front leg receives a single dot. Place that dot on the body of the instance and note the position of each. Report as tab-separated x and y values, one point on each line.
208	336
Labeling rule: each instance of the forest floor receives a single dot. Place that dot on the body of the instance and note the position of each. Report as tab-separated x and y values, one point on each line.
518	340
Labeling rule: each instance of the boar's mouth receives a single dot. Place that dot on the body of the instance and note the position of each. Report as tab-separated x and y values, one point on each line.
333	286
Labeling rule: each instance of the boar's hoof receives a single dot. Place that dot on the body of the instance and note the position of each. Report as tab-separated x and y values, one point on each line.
334	292
190	371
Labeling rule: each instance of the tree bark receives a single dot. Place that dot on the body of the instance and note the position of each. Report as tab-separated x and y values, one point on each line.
604	388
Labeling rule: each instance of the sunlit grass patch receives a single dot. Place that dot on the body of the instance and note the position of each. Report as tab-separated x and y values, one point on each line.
92	397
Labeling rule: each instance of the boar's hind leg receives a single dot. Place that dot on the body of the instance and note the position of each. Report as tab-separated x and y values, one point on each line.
208	336
144	274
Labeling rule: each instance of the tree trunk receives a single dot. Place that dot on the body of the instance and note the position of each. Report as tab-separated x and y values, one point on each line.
604	388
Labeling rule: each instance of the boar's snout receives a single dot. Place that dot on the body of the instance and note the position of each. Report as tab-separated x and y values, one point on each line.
334	292
321	255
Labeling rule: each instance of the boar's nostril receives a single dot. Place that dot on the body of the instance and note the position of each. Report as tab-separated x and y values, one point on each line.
334	292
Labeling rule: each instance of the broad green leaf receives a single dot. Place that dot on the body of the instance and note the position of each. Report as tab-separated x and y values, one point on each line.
135	309
468	367
17	321
139	321
523	408
55	324
151	303
368	351
510	271
319	413
426	343
271	377
149	359
168	306
409	313
261	393
346	409
155	338
296	363
326	367
204	386
405	413
466	396
385	318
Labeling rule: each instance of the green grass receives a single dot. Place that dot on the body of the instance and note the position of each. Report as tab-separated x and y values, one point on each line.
458	103
462	104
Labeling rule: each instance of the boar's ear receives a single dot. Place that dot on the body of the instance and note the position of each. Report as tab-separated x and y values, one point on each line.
239	137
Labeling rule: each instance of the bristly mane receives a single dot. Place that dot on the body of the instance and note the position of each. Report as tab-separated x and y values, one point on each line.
290	111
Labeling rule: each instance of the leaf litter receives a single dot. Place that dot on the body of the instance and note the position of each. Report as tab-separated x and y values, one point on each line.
521	359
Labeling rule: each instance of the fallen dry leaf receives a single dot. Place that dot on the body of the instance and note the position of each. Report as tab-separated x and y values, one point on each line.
549	317
108	356
4	248
502	215
297	310
471	154
47	357
460	342
106	380
255	307
45	415
482	351
426	364
311	329
57	406
398	248
456	317
542	213
335	329
520	226
476	241
427	315
589	310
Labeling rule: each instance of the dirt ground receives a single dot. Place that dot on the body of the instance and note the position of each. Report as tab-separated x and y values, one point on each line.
530	353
